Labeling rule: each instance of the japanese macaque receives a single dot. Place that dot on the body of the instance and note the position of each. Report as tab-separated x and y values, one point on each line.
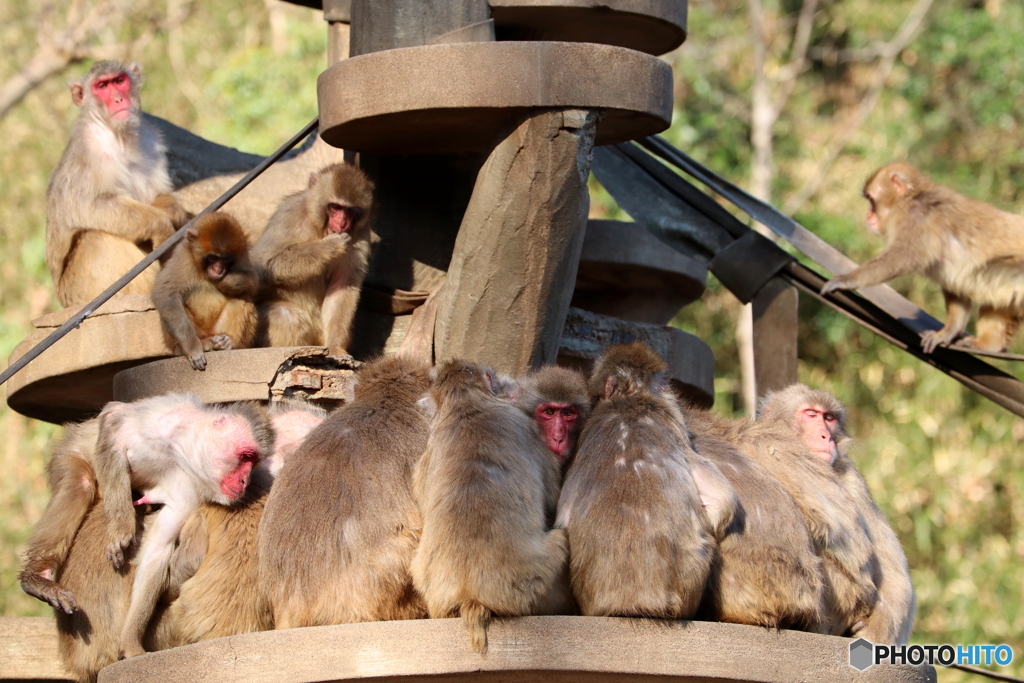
766	572
974	251
204	293
641	544
820	419
108	201
837	527
351	563
178	453
486	487
315	251
557	401
215	555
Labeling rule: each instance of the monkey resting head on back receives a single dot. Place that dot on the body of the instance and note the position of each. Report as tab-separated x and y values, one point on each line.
314	254
90	635
204	293
641	544
974	251
820	420
108	201
486	487
352	564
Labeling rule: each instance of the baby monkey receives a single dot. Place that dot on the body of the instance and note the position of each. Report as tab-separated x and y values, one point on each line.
205	292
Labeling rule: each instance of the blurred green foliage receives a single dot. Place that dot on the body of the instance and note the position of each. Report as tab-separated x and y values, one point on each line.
946	465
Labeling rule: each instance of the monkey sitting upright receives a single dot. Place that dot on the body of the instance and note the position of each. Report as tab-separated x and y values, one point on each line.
314	255
205	292
974	251
108	202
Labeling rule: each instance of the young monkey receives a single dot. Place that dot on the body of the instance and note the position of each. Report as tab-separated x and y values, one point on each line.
205	292
314	254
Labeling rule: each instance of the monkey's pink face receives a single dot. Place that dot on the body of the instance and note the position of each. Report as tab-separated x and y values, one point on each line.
557	422
340	218
818	427
114	91
873	221
235	452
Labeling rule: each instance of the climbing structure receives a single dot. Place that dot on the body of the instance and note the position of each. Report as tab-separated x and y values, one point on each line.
477	122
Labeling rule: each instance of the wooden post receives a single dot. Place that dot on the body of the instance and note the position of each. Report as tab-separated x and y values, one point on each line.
775	309
514	266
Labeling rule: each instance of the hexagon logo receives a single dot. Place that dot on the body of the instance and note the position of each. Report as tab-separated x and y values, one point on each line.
862	654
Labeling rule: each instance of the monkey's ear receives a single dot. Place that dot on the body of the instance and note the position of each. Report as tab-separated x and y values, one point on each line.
490	380
192	234
136	71
312	179
428	405
659	382
899	183
77	93
610	385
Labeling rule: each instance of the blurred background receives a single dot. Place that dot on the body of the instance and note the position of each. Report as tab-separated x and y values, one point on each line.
799	103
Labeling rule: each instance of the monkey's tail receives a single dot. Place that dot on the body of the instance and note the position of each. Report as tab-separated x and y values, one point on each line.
476	617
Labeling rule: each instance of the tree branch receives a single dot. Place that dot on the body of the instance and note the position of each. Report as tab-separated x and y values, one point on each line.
890	51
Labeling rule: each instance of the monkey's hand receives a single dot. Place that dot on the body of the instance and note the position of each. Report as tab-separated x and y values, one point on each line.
932	339
38	586
335	245
177	213
837	283
119	540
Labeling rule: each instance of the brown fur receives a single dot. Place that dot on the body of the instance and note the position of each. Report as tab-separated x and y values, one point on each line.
766	572
972	250
892	618
340	525
314	276
200	313
90	636
73	487
107	203
839	530
486	487
640	543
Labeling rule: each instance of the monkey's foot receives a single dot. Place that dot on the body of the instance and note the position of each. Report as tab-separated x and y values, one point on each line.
115	549
48	591
932	339
218	342
835	284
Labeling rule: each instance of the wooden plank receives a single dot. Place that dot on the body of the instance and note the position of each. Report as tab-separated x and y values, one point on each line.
775	336
28	650
514	265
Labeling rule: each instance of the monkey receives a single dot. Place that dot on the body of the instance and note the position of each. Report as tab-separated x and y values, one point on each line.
108	202
820	419
838	529
314	254
766	571
486	487
974	251
180	454
641	544
211	588
204	293
556	399
337	536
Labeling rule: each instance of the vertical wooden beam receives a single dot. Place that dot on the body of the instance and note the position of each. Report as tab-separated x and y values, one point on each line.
383	25
775	309
338	15
514	265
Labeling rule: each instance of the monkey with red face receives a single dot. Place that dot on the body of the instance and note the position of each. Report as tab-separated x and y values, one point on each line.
108	202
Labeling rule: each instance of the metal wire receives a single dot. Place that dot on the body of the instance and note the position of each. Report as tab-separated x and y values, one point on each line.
151	258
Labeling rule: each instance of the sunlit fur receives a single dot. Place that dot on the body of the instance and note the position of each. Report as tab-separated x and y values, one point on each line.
892	618
340	525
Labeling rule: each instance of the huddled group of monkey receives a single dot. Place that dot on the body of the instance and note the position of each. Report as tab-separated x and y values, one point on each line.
453	490
457	491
